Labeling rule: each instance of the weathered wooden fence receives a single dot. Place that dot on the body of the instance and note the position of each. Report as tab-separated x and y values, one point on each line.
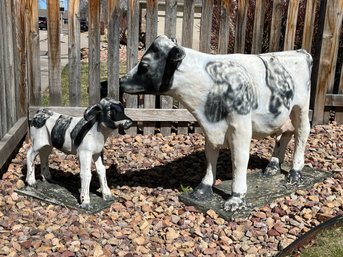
225	26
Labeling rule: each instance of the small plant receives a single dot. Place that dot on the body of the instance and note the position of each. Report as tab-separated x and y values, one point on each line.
185	189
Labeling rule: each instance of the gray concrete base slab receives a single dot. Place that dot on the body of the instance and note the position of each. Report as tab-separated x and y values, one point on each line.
66	196
261	190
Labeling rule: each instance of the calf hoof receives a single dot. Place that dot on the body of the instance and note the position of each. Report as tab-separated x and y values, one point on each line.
272	169
294	177
235	203
202	192
31	183
85	206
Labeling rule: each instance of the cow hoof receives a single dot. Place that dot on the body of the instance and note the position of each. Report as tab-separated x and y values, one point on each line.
85	206
272	169
107	197
234	203
202	192
294	177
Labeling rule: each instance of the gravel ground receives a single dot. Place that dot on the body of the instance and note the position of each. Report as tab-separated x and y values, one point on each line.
147	173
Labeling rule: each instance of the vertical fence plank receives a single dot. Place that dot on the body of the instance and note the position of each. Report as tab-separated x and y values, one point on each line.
205	26
310	16
151	33
9	65
166	102
3	112
223	41
328	52
257	39
241	24
275	30
113	46
132	52
22	92
74	57
291	26
188	23
94	51
54	53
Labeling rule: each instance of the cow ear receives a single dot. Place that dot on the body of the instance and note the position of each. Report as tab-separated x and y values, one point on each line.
176	55
91	112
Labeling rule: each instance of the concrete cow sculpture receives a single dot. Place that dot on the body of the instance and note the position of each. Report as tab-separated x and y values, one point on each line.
84	136
234	97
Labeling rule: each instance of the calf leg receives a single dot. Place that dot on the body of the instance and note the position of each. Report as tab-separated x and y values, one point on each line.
281	143
204	189
100	168
301	123
44	162
239	140
30	175
86	176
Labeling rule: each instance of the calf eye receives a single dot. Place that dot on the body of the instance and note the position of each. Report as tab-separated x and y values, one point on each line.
142	68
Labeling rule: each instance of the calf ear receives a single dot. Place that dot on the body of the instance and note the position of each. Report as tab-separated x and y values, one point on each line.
176	54
92	112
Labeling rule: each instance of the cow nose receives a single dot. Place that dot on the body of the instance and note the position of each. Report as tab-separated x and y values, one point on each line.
122	79
128	123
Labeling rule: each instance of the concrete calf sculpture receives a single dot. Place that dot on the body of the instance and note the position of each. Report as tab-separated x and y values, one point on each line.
84	136
234	97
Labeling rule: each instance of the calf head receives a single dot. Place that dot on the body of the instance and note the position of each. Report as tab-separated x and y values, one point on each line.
154	73
109	113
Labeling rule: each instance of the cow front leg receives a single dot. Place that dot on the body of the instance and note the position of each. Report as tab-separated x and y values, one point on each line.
30	174
101	170
239	141
204	190
86	176
281	143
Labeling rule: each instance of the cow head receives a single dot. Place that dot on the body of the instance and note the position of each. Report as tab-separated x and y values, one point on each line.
154	73
108	112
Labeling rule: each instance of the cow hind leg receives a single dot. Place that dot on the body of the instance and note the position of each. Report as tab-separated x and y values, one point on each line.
204	190
281	143
239	140
302	127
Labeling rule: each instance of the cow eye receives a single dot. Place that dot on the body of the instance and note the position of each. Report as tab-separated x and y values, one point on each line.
142	68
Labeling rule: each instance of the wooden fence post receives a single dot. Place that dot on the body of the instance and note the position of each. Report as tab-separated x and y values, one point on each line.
94	51
310	16
18	12
166	102
328	54
9	64
113	48
241	24
74	57
54	52
257	39
275	30
206	25
291	26
224	26
132	52
151	33
3	109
